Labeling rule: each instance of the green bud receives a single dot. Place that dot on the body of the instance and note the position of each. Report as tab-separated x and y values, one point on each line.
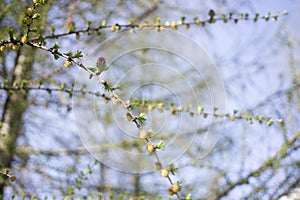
160	145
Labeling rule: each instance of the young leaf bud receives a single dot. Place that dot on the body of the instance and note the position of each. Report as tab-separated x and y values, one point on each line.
2	48
170	191
77	36
71	26
30	11
24	39
160	145
164	172
115	100
113	28
101	65
12	178
144	133
150	147
175	187
67	63
150	107
128	117
157	165
172	110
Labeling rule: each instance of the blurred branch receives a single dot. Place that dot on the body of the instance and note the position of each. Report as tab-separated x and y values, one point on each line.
49	75
61	152
150	10
288	183
288	190
289	90
273	160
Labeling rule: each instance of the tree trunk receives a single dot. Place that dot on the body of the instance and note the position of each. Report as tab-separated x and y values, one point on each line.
16	102
14	108
137	184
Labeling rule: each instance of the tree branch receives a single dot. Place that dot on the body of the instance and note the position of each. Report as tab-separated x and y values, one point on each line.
277	157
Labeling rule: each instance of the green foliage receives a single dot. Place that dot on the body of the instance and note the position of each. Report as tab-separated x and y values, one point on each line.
142	118
160	145
173	169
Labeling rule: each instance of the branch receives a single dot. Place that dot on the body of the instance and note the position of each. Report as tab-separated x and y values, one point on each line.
135	119
173	25
277	157
162	106
289	189
291	184
70	91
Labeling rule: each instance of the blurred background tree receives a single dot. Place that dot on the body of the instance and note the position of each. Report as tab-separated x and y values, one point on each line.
40	145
